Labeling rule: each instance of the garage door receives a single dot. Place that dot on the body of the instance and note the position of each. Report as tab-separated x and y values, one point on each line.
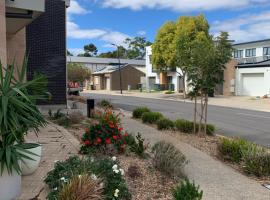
252	84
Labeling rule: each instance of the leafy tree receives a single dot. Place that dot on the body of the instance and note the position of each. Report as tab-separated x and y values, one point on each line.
163	48
136	47
187	29
90	50
114	54
78	73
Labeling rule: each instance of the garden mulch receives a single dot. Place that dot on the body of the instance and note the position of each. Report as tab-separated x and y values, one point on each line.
218	180
57	144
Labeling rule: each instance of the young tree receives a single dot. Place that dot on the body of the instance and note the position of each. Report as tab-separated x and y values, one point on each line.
208	56
163	51
78	73
187	28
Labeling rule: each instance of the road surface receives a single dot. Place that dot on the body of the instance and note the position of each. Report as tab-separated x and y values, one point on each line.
233	122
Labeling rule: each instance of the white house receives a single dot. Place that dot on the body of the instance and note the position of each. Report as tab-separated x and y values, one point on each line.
174	78
252	74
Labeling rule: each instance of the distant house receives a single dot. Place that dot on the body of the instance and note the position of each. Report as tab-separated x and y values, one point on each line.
108	78
96	64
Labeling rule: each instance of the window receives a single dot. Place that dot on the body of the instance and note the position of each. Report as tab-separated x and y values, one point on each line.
238	54
266	51
251	52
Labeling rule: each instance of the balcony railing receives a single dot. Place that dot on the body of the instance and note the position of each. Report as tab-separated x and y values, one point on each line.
252	60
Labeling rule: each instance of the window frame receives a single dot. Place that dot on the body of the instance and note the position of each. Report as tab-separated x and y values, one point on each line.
250	54
267	51
238	54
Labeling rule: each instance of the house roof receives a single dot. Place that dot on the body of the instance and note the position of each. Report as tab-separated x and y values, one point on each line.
265	63
250	42
108	61
109	69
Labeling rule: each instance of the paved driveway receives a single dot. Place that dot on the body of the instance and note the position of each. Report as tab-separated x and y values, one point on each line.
248	124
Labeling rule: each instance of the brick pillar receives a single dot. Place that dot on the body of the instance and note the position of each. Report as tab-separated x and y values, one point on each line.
3	47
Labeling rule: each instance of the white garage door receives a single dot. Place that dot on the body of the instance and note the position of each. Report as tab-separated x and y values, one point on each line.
253	84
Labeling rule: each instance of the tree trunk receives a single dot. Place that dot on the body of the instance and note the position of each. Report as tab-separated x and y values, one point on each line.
184	85
195	114
206	112
201	116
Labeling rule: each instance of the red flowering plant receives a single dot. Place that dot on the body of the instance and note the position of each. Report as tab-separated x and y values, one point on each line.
107	131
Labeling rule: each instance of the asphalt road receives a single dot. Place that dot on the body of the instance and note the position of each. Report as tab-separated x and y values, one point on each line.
248	124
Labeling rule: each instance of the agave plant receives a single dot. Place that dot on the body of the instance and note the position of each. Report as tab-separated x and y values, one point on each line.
18	114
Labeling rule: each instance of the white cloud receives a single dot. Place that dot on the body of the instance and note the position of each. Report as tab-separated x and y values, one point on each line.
76	51
75	8
246	27
183	5
141	33
74	31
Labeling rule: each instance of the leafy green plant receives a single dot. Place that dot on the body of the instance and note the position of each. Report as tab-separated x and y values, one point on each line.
168	159
18	113
169	92
233	149
165	123
138	147
151	117
138	112
210	129
105	104
63	172
187	191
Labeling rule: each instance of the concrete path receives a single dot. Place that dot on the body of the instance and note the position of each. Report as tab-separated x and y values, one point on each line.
57	144
217	180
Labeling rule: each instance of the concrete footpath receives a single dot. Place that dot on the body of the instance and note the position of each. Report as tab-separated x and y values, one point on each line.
217	180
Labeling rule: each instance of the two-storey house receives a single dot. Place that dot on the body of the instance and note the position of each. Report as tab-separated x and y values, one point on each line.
252	75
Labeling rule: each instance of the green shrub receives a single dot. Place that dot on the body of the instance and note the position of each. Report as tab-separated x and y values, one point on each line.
256	160
168	159
165	123
184	126
138	112
210	129
187	191
151	117
63	172
233	149
105	104
169	92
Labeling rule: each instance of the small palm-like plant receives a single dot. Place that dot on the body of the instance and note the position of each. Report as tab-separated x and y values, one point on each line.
18	114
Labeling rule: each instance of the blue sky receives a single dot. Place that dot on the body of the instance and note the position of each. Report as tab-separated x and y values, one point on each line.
103	22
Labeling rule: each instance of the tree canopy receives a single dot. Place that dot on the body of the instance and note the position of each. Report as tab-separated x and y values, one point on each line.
90	50
78	73
163	48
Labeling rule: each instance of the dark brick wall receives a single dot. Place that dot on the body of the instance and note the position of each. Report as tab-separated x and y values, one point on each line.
46	46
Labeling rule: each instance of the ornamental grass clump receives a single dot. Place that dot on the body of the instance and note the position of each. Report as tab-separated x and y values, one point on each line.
105	104
168	159
151	117
184	126
82	187
187	191
138	112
